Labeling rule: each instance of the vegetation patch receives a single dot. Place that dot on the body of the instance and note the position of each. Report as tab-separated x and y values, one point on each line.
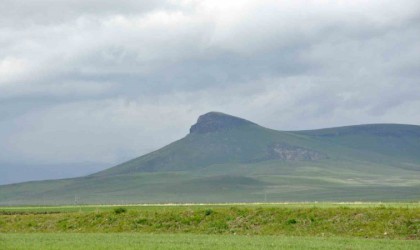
343	221
120	210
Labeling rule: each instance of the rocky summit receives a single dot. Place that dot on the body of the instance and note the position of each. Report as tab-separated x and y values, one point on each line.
216	121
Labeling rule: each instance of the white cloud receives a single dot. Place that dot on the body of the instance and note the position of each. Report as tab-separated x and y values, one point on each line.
10	69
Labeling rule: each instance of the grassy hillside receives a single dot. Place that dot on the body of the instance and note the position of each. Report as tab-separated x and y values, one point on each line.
228	159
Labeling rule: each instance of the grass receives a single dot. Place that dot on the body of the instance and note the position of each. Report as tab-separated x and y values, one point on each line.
367	221
213	226
188	188
190	241
177	206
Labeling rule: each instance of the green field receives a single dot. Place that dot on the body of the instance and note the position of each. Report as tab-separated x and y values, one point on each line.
177	206
393	221
190	241
213	226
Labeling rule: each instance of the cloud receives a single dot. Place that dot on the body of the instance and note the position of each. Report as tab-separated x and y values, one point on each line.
104	81
20	13
93	131
10	68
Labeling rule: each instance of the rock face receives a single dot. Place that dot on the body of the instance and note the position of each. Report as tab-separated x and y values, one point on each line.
293	153
215	121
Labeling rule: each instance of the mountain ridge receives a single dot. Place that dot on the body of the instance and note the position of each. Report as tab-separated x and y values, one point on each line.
214	129
229	159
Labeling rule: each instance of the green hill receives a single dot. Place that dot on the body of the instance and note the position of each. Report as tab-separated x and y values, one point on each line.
229	159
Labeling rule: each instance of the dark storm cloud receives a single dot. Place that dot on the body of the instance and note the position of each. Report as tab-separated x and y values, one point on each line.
104	81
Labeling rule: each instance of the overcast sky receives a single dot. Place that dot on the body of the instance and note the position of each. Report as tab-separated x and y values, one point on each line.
99	82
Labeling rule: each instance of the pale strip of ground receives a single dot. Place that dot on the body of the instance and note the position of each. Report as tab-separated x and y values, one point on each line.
277	204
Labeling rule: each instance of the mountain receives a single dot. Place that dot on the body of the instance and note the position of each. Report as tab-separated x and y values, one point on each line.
13	173
230	159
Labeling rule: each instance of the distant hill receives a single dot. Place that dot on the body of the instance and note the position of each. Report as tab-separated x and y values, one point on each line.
13	173
229	159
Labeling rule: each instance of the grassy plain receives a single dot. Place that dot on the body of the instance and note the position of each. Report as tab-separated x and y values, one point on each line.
66	241
180	206
213	226
367	220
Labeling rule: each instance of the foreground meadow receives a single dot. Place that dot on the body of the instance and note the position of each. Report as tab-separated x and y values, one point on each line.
228	226
190	241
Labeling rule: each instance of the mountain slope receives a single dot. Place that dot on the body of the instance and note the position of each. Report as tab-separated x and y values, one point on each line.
218	138
226	158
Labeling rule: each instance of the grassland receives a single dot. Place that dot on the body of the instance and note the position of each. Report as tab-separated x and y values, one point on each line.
393	221
213	226
190	241
180	206
222	183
